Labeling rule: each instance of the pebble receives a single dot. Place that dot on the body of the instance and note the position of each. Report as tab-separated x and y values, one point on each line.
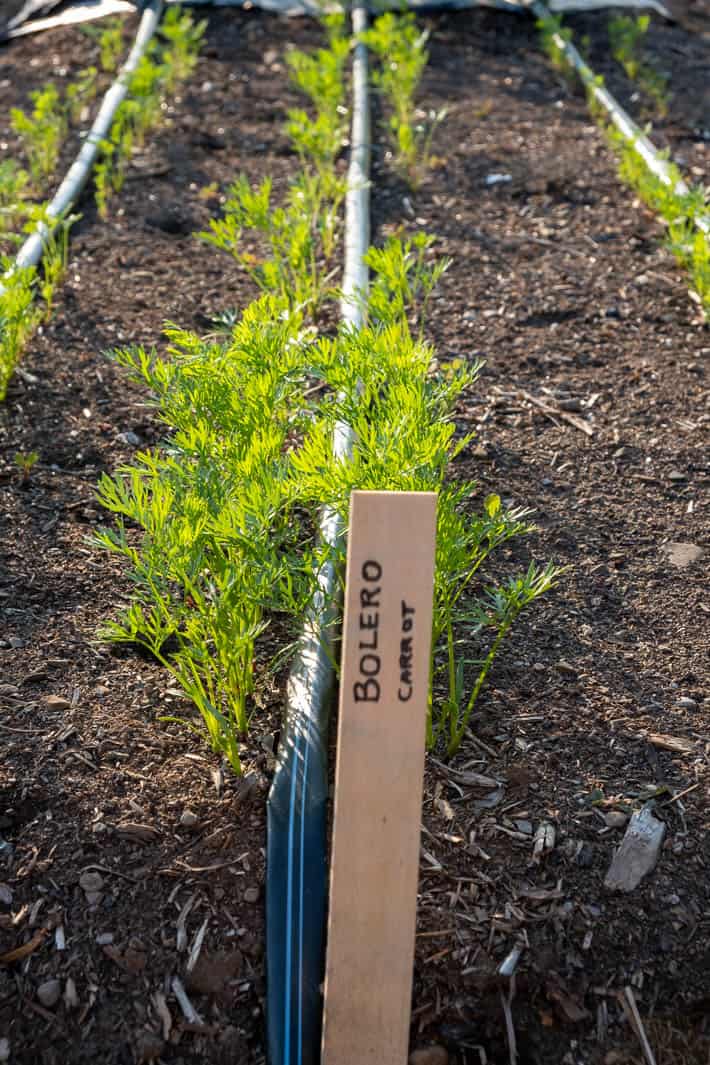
251	894
676	475
433	1055
49	993
188	819
16	643
4	1049
686	703
57	702
90	881
498	179
127	437
104	939
566	668
616	819
71	998
94	897
682	554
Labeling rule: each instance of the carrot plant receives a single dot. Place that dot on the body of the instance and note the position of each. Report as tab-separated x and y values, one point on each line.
626	36
14	185
301	233
18	318
218	526
401	49
551	30
81	92
162	67
42	132
218	547
400	403
684	211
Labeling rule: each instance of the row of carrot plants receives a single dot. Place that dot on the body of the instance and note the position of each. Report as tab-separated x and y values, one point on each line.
685	214
218	525
26	293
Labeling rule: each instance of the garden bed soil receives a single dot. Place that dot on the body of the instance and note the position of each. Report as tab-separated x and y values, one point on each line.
125	842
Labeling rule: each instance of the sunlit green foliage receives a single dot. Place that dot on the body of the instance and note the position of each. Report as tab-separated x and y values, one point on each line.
41	131
401	50
218	526
626	36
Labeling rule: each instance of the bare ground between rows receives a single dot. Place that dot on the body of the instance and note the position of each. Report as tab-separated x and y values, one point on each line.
559	283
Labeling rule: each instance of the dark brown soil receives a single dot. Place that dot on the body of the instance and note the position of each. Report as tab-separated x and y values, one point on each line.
560	282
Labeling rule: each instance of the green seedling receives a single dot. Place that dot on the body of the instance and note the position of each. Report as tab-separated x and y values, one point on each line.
81	92
17	317
681	211
689	243
183	37
217	527
42	132
162	67
296	243
111	45
402	280
54	256
551	31
626	36
109	37
14	184
401	49
25	460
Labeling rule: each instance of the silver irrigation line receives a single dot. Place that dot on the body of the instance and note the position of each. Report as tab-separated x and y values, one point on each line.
78	174
297	805
623	122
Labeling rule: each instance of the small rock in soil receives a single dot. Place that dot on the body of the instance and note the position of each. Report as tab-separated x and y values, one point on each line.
566	669
615	819
91	881
49	993
681	554
132	439
432	1055
16	643
251	894
5	894
57	702
104	938
71	999
638	852
188	819
686	703
4	1049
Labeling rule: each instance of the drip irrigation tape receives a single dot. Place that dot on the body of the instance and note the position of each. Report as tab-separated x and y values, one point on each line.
78	174
297	805
623	122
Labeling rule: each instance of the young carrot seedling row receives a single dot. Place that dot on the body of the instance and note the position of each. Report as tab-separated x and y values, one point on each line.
686	214
225	554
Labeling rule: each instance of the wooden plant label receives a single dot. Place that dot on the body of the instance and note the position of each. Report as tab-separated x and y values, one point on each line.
379	774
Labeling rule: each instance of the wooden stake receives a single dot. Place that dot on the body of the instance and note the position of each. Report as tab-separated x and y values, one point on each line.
378	789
